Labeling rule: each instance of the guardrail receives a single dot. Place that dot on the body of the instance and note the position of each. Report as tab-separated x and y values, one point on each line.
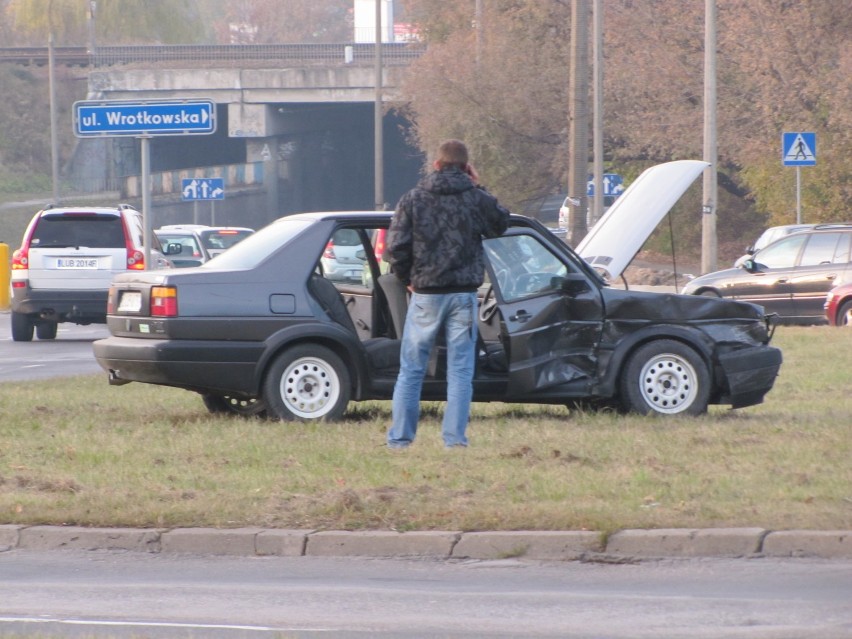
353	53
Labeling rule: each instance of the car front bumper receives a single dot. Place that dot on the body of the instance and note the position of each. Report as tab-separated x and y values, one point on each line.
193	364
749	374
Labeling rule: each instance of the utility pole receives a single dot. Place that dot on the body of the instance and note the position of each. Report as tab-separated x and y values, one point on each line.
597	120
377	116
578	121
709	243
54	144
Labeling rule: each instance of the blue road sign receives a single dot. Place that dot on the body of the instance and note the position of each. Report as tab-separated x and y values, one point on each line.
798	149
154	117
202	189
613	185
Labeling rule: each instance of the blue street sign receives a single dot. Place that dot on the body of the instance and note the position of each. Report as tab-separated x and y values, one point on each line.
798	149
154	117
613	185
202	189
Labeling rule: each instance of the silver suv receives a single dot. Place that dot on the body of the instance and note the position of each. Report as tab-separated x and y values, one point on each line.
66	262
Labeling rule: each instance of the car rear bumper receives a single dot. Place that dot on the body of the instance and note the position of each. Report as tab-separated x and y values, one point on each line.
193	364
749	374
65	305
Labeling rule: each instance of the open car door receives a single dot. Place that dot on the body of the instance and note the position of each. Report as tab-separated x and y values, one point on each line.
551	316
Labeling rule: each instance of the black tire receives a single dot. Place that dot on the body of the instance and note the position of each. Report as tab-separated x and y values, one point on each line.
219	404
844	315
46	330
22	327
665	377
307	382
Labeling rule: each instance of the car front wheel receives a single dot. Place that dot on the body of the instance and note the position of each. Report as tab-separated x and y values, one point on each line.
307	383
665	377
22	327
218	404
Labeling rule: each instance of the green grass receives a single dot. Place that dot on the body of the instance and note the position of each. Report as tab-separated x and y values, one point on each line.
77	451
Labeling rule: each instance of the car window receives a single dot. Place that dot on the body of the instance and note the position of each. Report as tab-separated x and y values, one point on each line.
92	231
224	239
258	246
782	254
844	247
820	249
189	245
346	237
523	266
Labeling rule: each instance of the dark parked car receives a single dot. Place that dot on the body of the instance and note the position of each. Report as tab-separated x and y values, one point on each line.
790	277
838	305
260	329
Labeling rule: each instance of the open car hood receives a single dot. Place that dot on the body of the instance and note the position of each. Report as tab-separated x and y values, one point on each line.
614	241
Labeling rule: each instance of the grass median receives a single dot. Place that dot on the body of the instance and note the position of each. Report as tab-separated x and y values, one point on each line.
76	451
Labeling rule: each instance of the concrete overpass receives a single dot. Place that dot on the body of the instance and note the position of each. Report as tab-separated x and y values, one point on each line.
301	128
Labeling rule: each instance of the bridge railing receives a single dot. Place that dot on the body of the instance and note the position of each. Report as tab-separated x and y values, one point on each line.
354	53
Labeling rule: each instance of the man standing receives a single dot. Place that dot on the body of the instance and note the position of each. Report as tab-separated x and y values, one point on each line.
435	248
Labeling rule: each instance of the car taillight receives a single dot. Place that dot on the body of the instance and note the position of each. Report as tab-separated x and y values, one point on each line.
135	259
329	250
164	301
380	244
111	300
20	260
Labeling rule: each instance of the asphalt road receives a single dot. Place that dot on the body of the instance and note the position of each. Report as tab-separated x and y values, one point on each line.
69	354
119	594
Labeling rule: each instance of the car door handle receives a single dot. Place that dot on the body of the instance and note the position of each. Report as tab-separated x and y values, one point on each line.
520	316
782	281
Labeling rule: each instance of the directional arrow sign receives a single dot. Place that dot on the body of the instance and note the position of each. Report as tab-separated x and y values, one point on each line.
156	117
203	189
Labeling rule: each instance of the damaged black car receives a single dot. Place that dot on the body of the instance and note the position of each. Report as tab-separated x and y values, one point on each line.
259	330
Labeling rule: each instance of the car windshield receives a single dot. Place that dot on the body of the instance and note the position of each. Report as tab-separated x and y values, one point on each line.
223	239
258	246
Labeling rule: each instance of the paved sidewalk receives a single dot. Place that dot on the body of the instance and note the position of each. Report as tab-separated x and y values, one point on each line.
625	545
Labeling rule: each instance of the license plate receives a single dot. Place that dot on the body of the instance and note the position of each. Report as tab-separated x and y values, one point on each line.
77	262
130	302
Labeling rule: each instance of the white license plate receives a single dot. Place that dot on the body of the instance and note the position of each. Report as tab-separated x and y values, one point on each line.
77	262
130	302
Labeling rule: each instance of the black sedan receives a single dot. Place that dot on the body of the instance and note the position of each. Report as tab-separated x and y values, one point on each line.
790	277
259	329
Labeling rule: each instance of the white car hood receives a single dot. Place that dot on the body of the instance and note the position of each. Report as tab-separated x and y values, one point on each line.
614	241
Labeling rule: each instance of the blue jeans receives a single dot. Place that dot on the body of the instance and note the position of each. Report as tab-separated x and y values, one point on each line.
427	314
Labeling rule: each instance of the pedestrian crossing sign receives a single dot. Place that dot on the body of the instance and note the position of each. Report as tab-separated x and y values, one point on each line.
798	149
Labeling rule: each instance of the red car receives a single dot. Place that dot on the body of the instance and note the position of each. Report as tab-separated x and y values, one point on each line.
838	305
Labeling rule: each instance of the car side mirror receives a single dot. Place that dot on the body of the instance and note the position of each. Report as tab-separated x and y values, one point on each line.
751	266
573	284
361	255
172	248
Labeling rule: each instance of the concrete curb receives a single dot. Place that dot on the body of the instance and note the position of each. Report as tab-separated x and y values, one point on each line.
537	545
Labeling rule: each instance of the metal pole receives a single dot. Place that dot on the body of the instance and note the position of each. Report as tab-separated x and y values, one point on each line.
54	144
597	127
708	218
146	198
377	115
798	195
578	121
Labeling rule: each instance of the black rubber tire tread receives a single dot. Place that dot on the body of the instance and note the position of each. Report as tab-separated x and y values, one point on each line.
22	327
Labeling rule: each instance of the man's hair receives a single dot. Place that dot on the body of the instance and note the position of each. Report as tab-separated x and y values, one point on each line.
452	153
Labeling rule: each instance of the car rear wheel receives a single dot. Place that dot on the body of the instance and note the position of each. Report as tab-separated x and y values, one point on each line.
46	330
665	377
22	327
307	383
844	315
241	406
